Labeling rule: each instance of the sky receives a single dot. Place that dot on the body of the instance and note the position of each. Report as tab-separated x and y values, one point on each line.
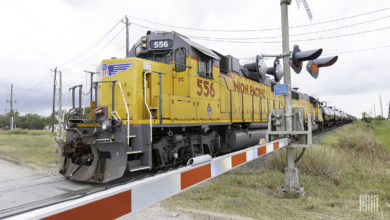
75	35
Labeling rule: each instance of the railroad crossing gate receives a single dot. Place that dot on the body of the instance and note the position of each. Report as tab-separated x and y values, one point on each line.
124	199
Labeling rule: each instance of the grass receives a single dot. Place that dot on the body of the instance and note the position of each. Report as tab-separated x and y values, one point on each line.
30	146
382	132
350	162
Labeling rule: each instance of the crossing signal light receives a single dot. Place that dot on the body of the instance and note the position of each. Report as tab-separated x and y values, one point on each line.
276	70
314	65
299	56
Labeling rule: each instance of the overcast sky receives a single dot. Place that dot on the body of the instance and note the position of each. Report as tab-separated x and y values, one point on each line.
75	35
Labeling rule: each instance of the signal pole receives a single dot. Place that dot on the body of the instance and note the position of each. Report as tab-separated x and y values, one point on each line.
291	176
54	99
11	109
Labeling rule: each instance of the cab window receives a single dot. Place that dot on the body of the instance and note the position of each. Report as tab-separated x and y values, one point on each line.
180	59
205	66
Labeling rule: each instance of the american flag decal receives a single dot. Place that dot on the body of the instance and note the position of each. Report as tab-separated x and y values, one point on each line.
113	69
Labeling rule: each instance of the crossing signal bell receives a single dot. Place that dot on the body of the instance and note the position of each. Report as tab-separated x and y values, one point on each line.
314	65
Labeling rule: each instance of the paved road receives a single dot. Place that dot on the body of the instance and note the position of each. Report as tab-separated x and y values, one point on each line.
21	186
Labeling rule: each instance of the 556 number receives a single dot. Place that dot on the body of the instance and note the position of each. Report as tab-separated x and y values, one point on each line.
205	88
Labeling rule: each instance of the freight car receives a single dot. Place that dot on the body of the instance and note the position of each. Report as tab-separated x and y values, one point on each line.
169	101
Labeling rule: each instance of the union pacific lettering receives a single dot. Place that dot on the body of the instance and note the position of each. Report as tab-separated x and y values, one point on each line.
246	88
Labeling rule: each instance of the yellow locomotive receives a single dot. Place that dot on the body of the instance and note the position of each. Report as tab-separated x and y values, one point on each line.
169	101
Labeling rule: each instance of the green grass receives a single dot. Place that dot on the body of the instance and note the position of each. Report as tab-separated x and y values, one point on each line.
348	163
30	146
382	132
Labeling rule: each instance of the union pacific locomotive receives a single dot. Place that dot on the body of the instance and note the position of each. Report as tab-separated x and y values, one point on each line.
169	101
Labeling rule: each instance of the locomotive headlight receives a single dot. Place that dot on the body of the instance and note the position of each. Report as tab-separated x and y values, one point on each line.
143	39
143	45
106	125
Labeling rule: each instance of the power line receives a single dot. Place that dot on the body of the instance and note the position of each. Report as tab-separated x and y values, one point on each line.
358	51
292	35
93	45
98	51
37	84
299	40
258	30
228	40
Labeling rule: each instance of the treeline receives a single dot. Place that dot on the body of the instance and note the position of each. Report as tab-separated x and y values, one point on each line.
27	121
35	121
367	118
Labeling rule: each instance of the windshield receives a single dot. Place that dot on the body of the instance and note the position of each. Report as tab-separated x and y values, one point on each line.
165	57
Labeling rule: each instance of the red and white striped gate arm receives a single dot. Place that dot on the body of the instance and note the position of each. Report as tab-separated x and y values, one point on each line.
124	199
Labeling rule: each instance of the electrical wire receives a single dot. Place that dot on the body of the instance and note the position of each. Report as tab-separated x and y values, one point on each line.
98	51
298	40
358	51
258	30
228	40
293	35
93	45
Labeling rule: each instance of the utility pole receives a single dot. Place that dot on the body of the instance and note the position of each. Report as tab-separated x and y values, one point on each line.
380	102
374	112
60	106
388	114
54	99
127	35
11	109
291	176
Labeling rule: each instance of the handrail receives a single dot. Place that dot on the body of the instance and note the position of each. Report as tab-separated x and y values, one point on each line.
128	114
147	106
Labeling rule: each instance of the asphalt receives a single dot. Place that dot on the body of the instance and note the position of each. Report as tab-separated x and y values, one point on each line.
23	187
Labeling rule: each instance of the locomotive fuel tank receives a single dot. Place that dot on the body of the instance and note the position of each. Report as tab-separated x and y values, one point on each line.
238	139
